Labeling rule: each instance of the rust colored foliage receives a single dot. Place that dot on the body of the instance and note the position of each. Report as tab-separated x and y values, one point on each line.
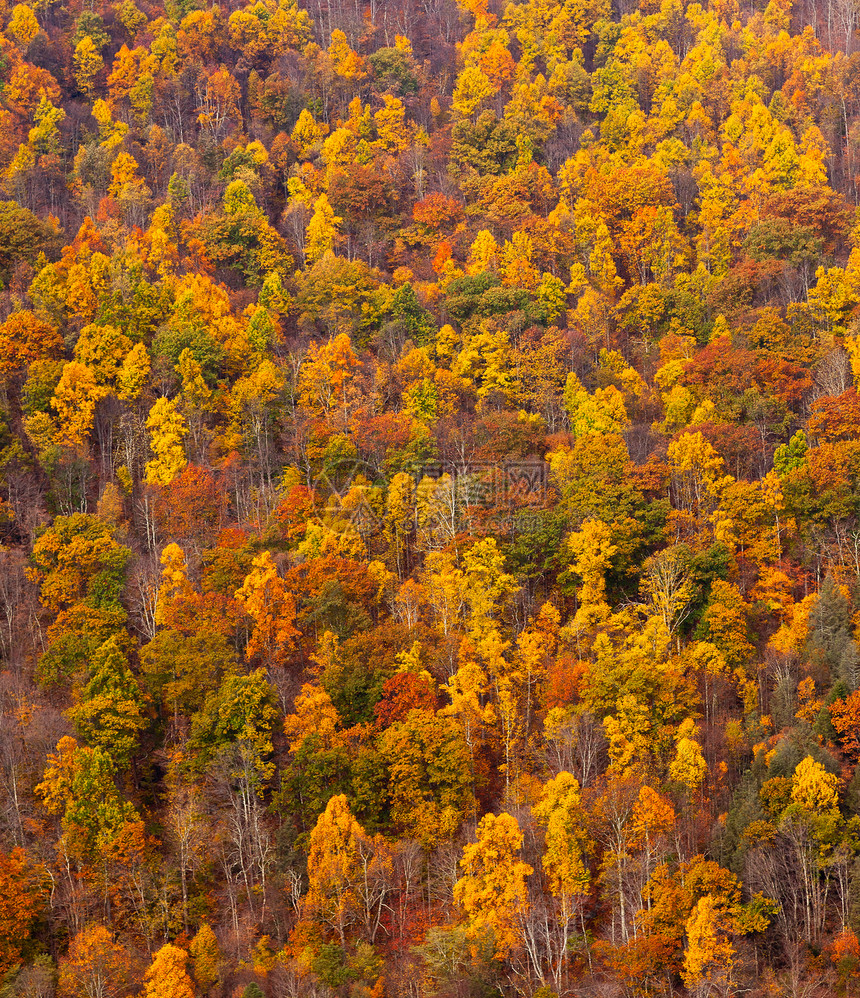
620	193
313	580
402	693
564	681
25	337
739	446
723	371
378	436
21	899
192	505
294	511
835	417
817	208
845	716
437	213
784	379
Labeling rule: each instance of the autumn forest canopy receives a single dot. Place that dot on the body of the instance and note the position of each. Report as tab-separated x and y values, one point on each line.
429	499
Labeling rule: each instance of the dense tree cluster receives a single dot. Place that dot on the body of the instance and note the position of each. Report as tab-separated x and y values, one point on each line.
429	498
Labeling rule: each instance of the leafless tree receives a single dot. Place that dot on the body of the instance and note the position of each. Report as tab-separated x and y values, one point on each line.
613	829
245	850
14	591
186	832
576	744
144	580
833	373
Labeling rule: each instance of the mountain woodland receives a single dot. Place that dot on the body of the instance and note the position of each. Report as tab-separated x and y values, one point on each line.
429	499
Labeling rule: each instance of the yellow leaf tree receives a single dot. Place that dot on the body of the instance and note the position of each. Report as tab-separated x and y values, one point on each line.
325	379
75	399
688	766
709	956
266	600
95	965
559	812
492	891
88	63
812	787
166	976
133	374
322	230
488	587
399	517
22	26
167	430
333	865
592	550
